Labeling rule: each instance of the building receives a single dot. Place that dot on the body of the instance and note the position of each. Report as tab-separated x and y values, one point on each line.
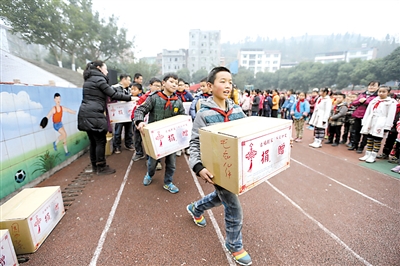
204	50
173	60
289	65
260	60
363	53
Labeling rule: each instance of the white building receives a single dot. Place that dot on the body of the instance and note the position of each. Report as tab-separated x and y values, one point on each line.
364	53
204	50
260	60
173	60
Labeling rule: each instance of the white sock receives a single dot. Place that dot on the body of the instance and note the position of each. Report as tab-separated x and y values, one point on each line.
65	148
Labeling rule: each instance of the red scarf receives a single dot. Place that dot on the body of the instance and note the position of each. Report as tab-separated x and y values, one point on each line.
168	99
206	95
181	95
225	114
398	108
319	100
376	105
298	105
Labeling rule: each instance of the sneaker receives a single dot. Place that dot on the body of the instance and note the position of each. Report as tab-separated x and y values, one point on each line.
335	144
54	146
117	150
187	151
138	157
359	150
105	170
159	167
179	153
310	128
130	147
328	142
396	169
241	257
382	156
342	142
298	140
171	188
199	221
147	180
67	154
393	159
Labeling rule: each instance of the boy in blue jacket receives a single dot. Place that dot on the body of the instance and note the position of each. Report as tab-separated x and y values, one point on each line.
218	109
299	112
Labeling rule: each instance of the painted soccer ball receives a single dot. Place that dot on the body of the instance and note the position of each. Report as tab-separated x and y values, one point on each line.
20	176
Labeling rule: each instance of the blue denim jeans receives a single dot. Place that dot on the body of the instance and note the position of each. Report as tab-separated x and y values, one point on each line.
170	165
233	214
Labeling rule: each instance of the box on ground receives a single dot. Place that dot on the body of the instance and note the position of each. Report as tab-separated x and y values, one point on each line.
167	136
243	153
31	215
7	252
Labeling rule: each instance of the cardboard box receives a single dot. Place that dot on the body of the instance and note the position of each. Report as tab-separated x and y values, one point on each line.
243	153
167	136
109	145
31	215
7	252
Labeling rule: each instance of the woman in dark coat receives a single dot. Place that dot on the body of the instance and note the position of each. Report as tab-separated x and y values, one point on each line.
92	117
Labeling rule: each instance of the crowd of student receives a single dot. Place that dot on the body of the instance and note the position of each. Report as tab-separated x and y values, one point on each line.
356	120
361	121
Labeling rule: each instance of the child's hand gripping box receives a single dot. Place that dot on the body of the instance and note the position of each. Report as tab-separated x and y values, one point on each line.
243	153
7	252
31	215
167	136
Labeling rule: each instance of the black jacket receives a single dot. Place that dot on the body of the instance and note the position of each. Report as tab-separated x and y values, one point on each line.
91	115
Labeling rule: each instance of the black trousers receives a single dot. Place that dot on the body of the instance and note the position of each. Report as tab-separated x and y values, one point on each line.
274	113
98	142
334	133
357	135
389	142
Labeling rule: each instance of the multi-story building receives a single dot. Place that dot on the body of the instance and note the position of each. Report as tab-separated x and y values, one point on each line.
204	50
363	53
260	60
173	60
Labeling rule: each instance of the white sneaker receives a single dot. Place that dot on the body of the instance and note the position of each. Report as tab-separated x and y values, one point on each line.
312	144
316	144
371	158
179	153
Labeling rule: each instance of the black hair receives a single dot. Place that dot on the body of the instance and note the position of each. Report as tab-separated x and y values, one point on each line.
247	91
90	66
300	92
257	91
373	82
213	73
137	75
386	87
275	90
123	76
181	79
137	85
326	90
187	83
170	75
152	80
56	95
203	79
341	94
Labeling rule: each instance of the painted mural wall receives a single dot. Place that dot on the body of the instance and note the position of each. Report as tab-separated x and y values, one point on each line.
27	149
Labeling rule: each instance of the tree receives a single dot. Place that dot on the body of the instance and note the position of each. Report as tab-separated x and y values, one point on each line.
38	21
184	74
391	66
243	77
199	75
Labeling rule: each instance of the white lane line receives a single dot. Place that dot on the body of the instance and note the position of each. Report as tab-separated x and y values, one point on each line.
110	217
332	235
346	186
212	218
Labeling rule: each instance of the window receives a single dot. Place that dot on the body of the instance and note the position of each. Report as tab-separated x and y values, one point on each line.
267	55
276	55
259	62
252	63
170	59
275	62
176	59
259	55
202	44
252	56
364	52
244	62
245	56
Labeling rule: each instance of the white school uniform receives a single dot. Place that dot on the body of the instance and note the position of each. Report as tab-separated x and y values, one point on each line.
322	111
379	116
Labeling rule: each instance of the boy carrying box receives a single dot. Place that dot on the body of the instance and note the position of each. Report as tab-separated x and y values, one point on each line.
160	105
218	109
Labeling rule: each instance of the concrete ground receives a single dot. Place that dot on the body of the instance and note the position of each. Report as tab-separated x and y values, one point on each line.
326	209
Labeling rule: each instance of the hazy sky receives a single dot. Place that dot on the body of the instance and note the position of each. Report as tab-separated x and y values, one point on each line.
165	24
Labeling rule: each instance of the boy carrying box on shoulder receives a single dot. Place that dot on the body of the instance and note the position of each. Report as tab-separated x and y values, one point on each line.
218	108
161	105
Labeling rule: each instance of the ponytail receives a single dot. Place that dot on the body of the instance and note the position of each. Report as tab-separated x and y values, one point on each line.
90	66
